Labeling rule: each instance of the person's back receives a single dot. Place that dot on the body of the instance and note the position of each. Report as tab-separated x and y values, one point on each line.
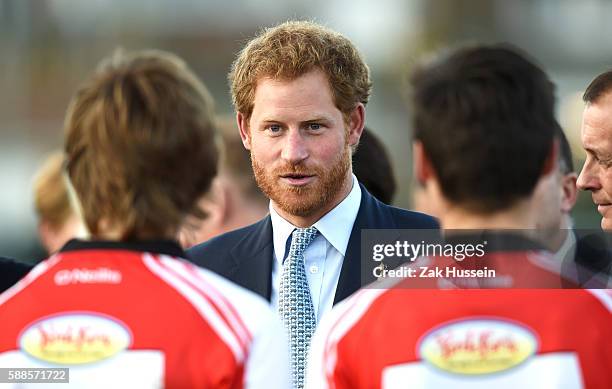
123	309
474	111
471	332
529	338
123	315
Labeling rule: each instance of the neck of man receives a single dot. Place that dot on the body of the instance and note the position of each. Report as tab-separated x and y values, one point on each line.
116	233
516	217
305	221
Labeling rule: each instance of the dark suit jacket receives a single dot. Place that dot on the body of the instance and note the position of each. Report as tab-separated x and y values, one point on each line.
11	272
245	256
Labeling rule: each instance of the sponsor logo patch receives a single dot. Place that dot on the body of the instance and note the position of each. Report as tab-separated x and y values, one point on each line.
75	338
478	346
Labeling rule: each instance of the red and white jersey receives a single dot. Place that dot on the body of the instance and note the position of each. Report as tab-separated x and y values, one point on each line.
124	317
461	338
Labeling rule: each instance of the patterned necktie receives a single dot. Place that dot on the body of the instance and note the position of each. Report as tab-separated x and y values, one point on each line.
295	303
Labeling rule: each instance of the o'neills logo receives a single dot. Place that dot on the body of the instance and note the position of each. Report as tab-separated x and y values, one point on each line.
75	338
87	276
476	347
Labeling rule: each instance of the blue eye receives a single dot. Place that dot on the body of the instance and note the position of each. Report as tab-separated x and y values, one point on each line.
274	128
314	126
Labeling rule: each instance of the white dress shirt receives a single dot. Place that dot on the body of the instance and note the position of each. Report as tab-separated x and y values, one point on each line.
324	256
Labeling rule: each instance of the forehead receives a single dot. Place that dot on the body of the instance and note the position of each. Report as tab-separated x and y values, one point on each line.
309	93
597	125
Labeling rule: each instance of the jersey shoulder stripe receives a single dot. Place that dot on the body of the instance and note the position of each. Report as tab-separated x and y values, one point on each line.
222	305
225	304
341	320
200	302
34	274
604	296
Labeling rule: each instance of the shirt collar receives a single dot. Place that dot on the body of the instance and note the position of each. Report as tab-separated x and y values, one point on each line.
335	226
167	247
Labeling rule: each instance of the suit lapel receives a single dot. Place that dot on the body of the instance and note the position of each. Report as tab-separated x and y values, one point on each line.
253	259
372	215
254	254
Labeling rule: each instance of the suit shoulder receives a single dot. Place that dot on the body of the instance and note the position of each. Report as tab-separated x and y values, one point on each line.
11	271
213	253
13	265
222	241
413	220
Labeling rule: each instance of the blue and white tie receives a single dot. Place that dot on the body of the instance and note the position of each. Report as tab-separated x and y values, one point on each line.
295	303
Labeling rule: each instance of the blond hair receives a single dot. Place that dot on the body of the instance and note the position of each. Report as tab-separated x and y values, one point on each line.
51	197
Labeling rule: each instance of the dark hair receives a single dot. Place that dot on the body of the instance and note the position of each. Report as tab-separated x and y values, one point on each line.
140	145
600	85
372	167
566	162
485	117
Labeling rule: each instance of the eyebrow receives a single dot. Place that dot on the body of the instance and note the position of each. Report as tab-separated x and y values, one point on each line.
599	154
315	119
318	119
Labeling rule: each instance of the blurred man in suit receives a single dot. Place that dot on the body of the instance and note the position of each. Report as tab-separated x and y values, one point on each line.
300	90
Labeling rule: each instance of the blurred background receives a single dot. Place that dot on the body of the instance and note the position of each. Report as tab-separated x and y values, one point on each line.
47	47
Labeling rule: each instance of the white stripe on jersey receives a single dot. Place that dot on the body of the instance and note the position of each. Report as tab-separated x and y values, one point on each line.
346	316
199	302
188	271
604	296
36	272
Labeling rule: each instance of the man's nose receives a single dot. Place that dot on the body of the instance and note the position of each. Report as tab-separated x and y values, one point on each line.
588	179
295	148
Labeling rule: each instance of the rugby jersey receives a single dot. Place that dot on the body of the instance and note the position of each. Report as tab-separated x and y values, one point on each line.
401	337
135	315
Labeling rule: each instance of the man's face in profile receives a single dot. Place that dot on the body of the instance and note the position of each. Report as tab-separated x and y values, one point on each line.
596	174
